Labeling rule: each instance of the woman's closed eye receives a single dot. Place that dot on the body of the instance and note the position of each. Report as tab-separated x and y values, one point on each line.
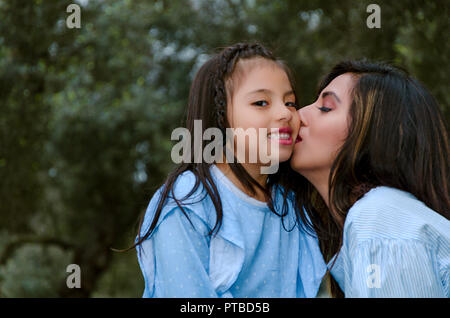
324	109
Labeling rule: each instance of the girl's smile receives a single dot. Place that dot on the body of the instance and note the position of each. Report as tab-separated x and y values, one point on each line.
264	98
283	135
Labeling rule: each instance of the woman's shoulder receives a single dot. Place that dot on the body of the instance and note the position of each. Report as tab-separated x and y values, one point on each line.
390	213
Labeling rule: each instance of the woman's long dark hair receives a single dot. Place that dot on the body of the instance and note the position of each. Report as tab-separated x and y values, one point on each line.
208	103
397	138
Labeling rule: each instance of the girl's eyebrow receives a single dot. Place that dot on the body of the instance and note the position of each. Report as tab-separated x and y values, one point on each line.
268	91
329	93
291	92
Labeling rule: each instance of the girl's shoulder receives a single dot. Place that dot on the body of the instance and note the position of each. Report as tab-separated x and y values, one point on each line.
186	188
389	213
187	194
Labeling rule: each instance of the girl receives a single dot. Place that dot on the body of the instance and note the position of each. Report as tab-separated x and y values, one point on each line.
374	152
221	230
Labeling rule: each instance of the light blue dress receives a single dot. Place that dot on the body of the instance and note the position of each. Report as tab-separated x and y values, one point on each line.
251	256
393	246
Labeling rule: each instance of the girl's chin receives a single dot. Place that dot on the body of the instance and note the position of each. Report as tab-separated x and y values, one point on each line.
285	155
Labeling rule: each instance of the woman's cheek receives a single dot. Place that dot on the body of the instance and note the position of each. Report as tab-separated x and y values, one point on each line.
335	140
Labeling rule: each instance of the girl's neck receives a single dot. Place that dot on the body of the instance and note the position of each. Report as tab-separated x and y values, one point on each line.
254	171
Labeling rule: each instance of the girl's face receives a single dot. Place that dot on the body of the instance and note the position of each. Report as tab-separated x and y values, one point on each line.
323	128
263	98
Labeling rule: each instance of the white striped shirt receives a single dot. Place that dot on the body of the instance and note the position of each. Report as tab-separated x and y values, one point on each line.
393	246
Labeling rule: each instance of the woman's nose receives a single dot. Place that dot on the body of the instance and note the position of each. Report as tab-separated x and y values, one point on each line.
302	113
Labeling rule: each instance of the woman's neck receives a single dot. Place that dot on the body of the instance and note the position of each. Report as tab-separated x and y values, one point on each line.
320	181
254	171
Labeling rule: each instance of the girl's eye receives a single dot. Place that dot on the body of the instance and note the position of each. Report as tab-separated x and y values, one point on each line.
291	104
261	103
324	109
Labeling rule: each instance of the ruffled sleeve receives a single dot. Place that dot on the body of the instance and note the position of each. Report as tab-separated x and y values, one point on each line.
179	258
312	266
392	268
174	260
227	258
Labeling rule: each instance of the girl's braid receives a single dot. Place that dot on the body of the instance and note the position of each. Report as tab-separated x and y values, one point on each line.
226	61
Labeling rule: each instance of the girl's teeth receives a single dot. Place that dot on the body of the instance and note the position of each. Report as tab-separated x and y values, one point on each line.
279	136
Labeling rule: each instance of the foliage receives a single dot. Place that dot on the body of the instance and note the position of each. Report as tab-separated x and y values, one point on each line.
86	114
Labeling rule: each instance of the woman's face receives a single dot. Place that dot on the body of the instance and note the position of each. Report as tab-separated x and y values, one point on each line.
323	128
263	98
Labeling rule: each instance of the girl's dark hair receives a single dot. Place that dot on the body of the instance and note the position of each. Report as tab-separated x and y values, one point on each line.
208	103
397	138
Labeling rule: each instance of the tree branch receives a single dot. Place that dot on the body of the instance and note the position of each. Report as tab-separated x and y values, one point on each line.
12	246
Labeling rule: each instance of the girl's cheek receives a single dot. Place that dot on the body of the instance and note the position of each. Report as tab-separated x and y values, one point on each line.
296	122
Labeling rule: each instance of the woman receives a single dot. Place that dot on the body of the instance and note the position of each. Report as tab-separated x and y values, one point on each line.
374	155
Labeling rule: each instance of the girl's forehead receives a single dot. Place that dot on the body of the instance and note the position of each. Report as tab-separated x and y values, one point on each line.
244	68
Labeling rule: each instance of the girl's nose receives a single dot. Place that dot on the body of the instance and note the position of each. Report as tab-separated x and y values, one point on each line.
285	113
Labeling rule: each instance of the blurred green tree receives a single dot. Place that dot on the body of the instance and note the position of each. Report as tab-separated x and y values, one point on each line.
86	114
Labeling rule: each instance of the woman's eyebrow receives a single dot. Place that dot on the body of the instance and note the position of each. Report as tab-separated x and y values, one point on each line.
328	93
